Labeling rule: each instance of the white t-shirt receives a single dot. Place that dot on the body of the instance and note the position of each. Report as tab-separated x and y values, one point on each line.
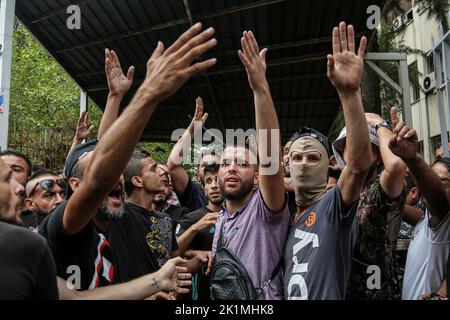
427	258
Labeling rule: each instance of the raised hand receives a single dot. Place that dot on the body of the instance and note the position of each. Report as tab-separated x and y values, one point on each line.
173	277
83	129
344	67
168	70
198	116
404	143
253	60
118	83
206	221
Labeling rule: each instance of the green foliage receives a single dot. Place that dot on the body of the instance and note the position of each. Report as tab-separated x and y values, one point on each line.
158	150
437	9
42	93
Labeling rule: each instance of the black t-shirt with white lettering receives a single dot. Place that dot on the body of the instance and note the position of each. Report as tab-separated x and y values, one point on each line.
27	269
86	253
142	242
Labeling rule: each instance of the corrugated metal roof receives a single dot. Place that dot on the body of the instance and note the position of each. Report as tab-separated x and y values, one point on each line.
297	33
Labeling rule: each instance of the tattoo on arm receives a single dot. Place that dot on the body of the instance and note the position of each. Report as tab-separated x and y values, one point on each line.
155	283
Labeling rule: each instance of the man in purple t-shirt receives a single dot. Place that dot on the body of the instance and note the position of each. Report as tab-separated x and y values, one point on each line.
255	221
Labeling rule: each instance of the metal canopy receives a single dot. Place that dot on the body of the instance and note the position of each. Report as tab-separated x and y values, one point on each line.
297	33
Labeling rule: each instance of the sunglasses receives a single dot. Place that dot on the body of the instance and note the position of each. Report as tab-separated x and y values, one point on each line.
48	185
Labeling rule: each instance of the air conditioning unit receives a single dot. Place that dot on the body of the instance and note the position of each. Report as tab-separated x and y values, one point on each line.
398	23
428	83
407	16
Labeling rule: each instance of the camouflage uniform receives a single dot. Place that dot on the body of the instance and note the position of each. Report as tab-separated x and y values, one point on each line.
379	223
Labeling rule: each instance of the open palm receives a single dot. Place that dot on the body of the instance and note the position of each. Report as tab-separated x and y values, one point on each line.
118	83
345	68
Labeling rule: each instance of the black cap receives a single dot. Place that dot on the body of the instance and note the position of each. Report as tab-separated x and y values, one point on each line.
309	132
74	156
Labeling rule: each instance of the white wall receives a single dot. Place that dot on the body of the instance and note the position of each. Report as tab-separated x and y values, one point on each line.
417	34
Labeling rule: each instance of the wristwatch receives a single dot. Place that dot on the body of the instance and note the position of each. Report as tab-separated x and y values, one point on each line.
385	124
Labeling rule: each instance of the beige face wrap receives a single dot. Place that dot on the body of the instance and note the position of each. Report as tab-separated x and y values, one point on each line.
310	180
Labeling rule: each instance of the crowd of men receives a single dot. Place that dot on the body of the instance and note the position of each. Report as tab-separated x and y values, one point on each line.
363	217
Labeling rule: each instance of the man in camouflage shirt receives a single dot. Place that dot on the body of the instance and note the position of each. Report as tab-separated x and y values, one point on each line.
379	217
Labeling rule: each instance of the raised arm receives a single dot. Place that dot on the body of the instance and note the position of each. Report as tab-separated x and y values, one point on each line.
177	173
392	178
271	181
345	70
404	144
118	85
167	70
412	215
82	131
171	277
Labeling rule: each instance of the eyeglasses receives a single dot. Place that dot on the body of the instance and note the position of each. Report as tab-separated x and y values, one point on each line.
305	131
48	184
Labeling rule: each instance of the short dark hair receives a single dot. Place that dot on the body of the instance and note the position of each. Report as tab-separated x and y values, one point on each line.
444	160
409	183
212	167
41	173
77	171
12	152
134	168
247	147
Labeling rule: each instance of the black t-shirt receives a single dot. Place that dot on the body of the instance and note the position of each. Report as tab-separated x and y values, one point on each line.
27	269
176	212
203	240
31	220
141	241
291	203
86	251
448	276
193	196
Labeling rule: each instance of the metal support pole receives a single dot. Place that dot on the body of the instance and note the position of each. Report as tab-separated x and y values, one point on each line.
440	89
83	101
7	9
446	82
403	87
406	96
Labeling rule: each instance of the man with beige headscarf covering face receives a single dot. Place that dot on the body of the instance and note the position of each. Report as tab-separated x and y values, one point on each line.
309	179
319	247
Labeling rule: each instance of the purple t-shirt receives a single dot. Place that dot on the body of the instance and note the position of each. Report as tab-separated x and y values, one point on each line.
256	236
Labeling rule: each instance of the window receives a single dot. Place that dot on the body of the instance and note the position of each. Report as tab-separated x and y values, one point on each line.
414	81
430	63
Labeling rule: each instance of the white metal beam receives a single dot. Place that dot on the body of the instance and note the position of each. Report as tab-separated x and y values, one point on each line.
403	87
83	101
7	10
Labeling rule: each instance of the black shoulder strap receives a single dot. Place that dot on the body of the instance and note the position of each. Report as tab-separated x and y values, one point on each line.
219	241
277	267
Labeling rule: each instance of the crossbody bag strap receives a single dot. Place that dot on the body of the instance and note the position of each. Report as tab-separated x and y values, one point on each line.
220	239
275	271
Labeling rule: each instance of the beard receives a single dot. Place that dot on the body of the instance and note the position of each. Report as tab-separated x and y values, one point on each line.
239	194
217	201
107	214
159	201
41	215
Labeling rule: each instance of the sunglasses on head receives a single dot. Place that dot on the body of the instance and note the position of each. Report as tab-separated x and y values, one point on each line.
48	184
